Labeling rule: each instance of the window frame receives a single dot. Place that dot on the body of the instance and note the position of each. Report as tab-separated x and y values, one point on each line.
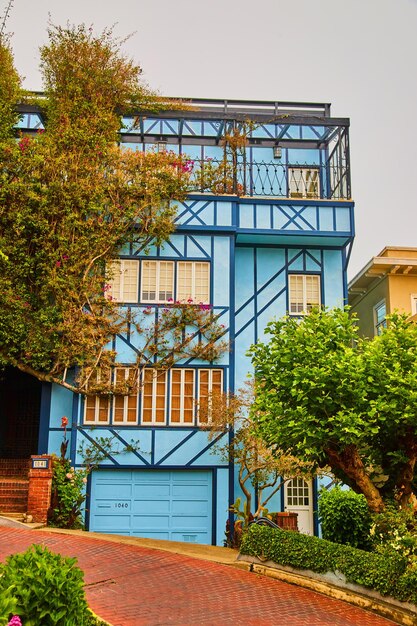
153	421
123	265
413	298
383	322
126	397
299	188
97	401
305	304
210	390
158	264
192	294
181	421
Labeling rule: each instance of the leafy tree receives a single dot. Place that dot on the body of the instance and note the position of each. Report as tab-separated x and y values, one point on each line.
332	399
70	201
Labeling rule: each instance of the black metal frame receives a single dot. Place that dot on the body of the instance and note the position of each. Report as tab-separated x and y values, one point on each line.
280	124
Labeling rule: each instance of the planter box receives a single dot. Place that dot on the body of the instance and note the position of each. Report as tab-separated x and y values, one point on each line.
286	521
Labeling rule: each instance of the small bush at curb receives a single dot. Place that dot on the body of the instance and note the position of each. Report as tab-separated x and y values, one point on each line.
388	576
44	588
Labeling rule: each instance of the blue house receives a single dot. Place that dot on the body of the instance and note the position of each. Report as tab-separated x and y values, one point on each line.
271	235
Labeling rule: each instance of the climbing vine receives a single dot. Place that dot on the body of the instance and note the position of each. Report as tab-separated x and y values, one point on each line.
70	201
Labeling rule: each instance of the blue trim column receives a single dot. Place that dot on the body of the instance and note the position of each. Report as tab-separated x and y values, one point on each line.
74	424
232	356
45	412
88	501
214	508
315	508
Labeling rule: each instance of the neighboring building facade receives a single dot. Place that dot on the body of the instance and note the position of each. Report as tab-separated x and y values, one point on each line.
387	283
275	238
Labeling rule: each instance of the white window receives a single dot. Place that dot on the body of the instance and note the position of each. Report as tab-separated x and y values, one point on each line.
380	312
182	396
157	281
210	384
303	182
304	293
298	492
96	407
193	281
122	276
125	406
154	385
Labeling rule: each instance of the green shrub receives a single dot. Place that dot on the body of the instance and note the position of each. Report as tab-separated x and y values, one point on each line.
345	517
389	576
48	588
8	604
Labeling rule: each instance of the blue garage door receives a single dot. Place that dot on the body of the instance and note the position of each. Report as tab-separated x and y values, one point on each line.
158	504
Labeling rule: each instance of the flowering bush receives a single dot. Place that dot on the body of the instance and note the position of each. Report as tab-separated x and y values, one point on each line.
395	530
68	495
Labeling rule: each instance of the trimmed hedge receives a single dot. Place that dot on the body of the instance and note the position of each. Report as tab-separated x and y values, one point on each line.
387	575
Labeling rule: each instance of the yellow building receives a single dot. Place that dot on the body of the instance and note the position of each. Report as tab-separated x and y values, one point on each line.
387	283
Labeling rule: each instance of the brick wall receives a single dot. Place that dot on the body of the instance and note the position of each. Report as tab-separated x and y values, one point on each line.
40	485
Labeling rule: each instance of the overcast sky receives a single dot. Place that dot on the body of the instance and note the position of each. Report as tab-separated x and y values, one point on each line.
359	55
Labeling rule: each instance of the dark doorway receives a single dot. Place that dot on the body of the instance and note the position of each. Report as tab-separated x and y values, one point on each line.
20	402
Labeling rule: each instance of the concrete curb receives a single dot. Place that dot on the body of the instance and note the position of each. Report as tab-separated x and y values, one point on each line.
361	597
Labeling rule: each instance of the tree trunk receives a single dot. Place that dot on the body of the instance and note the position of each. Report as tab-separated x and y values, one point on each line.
349	461
406	495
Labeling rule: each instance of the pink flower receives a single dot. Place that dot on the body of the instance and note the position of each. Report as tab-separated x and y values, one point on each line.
190	300
15	621
69	476
58	264
24	143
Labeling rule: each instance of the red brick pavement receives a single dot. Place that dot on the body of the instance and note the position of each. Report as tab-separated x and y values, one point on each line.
135	586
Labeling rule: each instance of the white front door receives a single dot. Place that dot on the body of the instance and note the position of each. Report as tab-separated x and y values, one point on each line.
299	499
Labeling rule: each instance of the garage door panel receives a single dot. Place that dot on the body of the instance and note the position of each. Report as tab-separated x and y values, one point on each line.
151	491
190	491
111	506
159	504
158	523
153	535
186	523
112	523
195	507
189	537
155	507
113	490
121	476
189	476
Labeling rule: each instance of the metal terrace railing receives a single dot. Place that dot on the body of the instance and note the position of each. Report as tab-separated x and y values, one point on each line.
272	179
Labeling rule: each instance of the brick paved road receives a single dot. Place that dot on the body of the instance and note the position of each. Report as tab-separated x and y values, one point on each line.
136	586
